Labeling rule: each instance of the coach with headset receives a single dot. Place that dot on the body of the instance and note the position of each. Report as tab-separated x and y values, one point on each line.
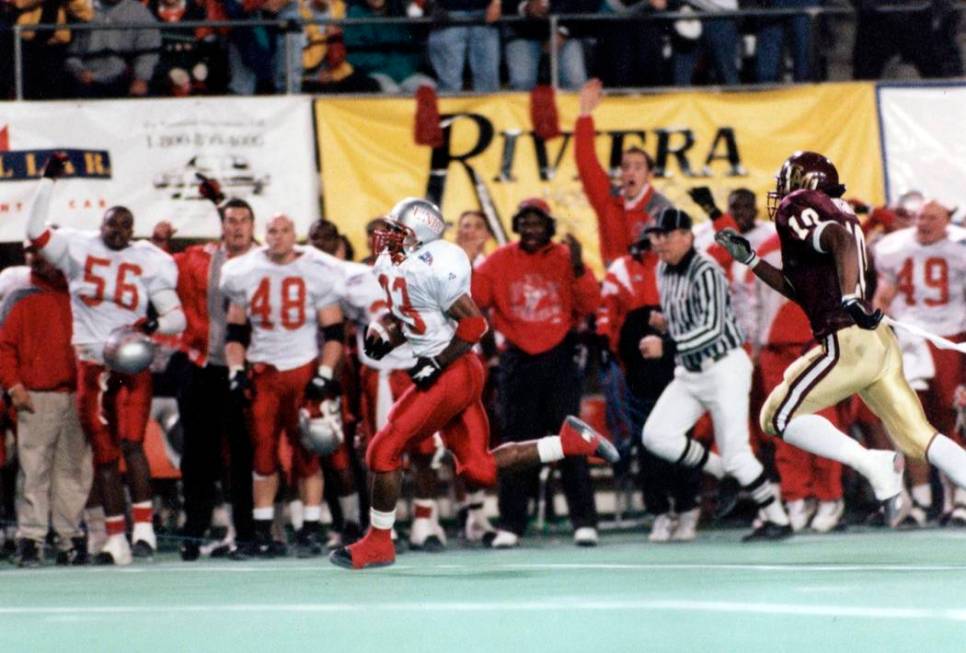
536	292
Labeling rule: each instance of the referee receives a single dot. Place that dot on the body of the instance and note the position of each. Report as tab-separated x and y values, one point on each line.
712	373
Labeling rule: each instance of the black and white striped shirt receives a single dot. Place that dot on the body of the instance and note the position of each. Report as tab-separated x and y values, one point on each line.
696	303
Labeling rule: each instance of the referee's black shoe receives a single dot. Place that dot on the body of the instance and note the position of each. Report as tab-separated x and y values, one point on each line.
769	531
728	491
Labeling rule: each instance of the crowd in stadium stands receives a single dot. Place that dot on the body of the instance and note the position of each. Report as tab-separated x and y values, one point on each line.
212	469
482	56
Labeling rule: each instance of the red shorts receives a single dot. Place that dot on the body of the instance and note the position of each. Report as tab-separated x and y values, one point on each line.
938	400
113	408
275	408
453	406
399	382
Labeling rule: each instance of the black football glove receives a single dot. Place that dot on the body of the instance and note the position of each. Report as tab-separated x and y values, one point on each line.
376	347
146	325
864	316
737	245
239	386
702	197
209	189
425	372
322	387
56	166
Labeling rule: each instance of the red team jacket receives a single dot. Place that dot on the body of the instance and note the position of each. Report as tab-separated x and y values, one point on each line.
35	347
193	271
535	297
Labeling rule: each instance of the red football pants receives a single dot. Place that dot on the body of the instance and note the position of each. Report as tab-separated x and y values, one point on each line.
113	407
803	474
454	407
275	408
399	383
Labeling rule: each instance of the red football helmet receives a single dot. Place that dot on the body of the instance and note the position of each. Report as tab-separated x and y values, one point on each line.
808	170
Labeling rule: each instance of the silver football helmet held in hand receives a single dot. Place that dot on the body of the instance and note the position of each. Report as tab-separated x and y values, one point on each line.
128	351
320	426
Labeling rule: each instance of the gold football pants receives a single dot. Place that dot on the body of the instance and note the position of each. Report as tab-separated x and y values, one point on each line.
847	362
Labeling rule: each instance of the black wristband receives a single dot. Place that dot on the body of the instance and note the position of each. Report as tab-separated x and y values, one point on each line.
334	332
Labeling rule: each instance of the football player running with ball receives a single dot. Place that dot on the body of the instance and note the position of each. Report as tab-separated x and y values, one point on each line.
824	270
427	285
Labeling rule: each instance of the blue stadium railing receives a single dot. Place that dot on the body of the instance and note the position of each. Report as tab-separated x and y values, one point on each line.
292	28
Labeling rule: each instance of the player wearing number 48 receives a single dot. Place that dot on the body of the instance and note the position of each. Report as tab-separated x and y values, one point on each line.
280	296
112	280
824	267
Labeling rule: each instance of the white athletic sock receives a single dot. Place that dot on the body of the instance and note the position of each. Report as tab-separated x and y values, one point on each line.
296	513
550	449
714	466
312	513
815	434
774	511
949	457
350	507
264	514
922	494
382	520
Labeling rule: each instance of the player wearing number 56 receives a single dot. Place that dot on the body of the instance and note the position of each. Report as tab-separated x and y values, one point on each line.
824	267
280	296
112	279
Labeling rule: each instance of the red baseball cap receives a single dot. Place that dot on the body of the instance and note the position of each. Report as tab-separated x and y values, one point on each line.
534	204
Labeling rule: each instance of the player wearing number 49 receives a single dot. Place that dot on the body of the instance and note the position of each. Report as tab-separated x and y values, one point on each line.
112	279
427	285
280	296
824	266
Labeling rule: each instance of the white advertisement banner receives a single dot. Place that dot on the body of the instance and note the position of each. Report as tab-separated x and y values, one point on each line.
923	141
147	154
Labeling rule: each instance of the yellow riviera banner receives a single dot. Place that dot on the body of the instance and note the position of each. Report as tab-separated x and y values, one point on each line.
492	160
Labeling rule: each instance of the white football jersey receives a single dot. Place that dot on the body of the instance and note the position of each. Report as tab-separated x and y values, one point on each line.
365	302
109	288
13	278
282	303
930	280
422	288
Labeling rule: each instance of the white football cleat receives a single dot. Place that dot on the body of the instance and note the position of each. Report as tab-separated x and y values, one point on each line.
686	528
885	476
662	528
585	536
504	540
427	535
115	552
827	516
145	541
477	525
799	512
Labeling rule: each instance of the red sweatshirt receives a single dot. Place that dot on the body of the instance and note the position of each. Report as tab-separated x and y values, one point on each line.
535	298
619	226
35	347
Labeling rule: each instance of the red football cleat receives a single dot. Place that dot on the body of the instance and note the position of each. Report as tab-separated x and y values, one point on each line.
373	550
579	439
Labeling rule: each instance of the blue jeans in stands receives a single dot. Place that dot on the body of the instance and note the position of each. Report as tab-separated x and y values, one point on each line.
523	63
450	47
771	39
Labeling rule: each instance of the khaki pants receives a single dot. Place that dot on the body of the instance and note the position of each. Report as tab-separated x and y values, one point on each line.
56	468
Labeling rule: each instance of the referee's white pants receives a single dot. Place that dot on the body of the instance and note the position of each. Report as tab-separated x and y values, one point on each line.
722	390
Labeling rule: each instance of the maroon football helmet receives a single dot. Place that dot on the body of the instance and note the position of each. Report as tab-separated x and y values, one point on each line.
808	170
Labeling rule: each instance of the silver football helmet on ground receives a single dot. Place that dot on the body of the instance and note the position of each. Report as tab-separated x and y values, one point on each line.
320	426
128	351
